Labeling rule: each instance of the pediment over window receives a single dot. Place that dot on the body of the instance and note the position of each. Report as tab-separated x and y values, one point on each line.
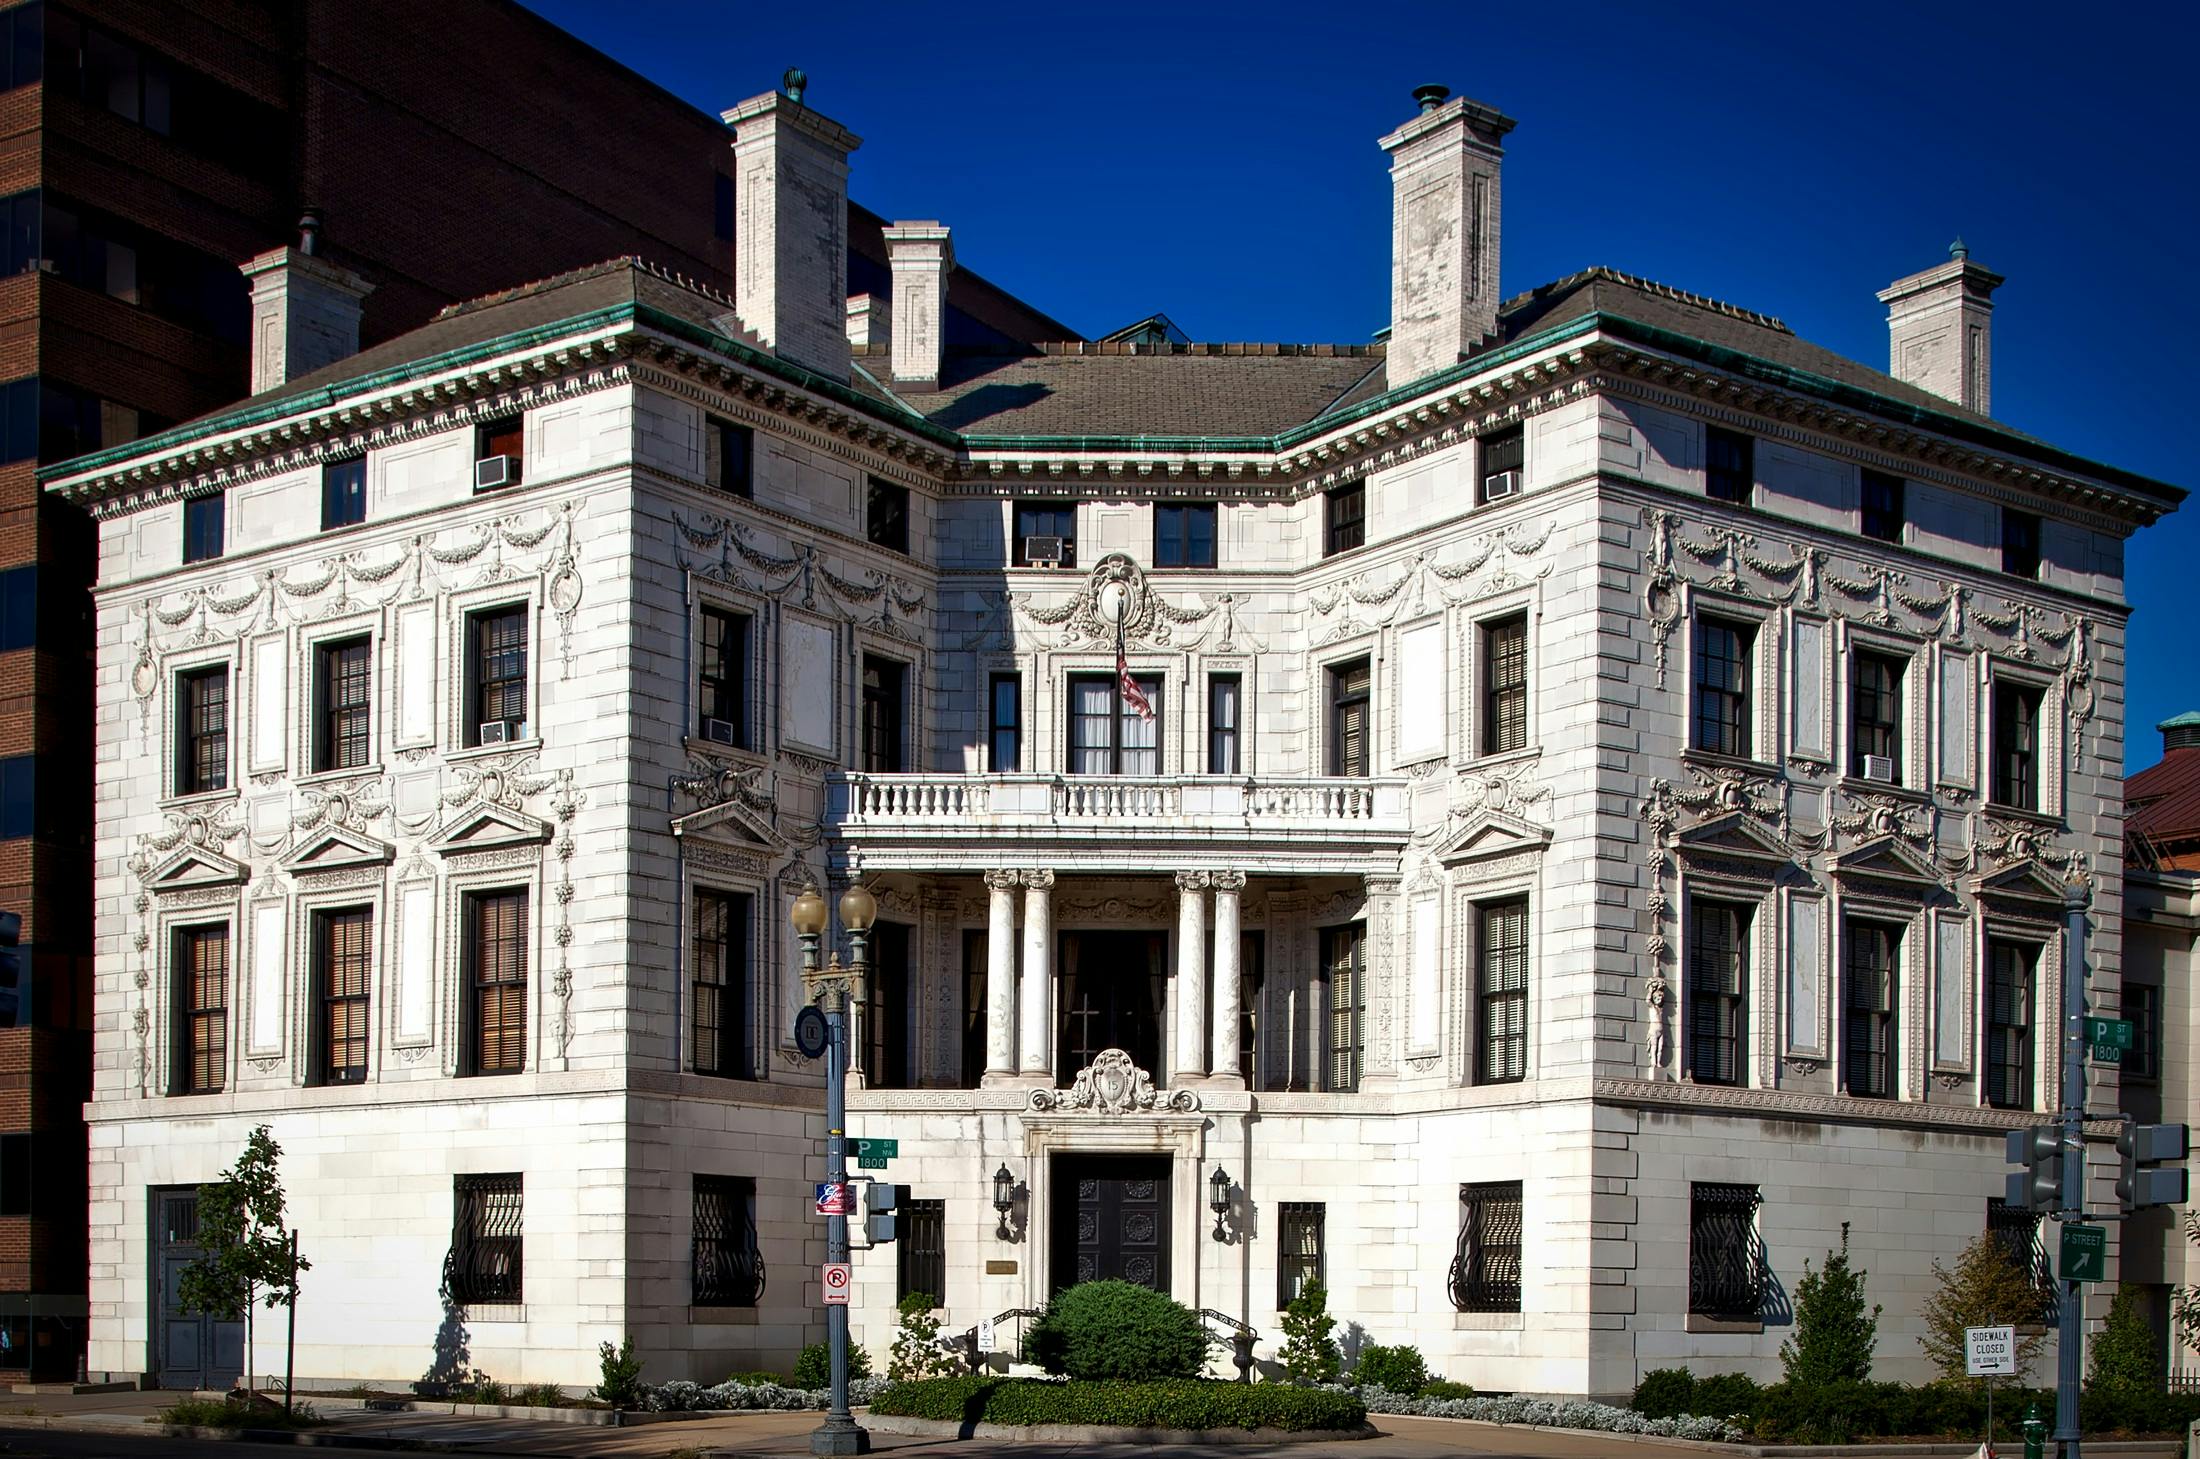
333	848
2024	888
1488	834
1886	860
1735	836
732	822
489	828
194	867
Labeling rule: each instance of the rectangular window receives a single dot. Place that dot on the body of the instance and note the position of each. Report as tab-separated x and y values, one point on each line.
202	1006
2009	977
1004	698
721	207
2143	1006
1503	456
18	797
1875	716
22	53
974	983
886	515
344	493
2017	1232
1730	470
1298	1249
19	607
1871	973
1107	734
202	527
488	1241
1344	525
885	1017
885	701
1718	983
1351	731
1726	1269
1501	994
15	1186
1485	1265
2016	746
728	1267
202	738
1223	757
722	678
506	439
496	675
2020	543
723	1047
343	971
729	455
1505	685
1883	512
1721	718
342	690
920	1256
1344	973
1184	534
1044	525
496	978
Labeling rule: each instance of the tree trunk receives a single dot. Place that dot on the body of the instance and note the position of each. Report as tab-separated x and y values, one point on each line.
251	1377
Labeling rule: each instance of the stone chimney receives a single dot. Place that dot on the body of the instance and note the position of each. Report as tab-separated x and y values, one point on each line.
870	322
1940	330
1445	168
922	255
305	310
790	266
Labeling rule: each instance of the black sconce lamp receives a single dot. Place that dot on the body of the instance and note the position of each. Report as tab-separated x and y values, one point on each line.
1004	1195
1218	1200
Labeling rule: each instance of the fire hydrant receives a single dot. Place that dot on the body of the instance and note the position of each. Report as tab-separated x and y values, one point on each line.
2035	1433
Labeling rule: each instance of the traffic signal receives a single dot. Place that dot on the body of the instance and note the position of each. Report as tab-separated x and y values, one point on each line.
2038	1187
880	1201
2143	1180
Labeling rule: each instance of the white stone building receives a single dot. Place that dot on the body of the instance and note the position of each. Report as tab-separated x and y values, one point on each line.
1611	775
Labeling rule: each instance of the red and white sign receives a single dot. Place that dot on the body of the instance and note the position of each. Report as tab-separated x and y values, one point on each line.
838	1277
832	1200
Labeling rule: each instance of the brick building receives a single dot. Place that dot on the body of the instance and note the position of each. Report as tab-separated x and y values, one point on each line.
146	151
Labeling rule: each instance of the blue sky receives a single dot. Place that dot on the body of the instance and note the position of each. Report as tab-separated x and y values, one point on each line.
1219	163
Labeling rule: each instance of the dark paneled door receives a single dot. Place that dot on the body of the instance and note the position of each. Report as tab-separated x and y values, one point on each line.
1111	1219
196	1351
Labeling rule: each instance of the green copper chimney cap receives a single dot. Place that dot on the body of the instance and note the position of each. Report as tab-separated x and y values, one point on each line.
2190	719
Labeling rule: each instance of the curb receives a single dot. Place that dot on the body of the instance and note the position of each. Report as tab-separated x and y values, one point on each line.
313	1438
940	1428
1939	1449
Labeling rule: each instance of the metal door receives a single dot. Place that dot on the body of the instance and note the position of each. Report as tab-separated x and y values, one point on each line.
191	1350
1112	1221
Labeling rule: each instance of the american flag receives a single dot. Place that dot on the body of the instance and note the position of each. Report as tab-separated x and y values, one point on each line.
1134	696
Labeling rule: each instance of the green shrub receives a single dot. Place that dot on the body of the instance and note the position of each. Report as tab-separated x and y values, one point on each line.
751	1380
1118	1330
1834	1334
917	1352
814	1368
622	1375
1724	1395
1665	1392
231	1413
2124	1351
1445	1388
1183	1403
550	1395
1397	1370
1309	1353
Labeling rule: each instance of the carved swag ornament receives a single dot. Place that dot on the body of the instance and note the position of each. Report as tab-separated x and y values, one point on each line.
1113	1085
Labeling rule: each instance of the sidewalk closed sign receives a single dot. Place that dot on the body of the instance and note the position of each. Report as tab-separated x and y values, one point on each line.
1990	1352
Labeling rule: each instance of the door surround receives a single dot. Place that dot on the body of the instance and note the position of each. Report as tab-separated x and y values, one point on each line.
1180	1138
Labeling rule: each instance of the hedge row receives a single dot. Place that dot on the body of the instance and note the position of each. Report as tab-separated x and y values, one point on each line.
1177	1403
742	1391
1838	1413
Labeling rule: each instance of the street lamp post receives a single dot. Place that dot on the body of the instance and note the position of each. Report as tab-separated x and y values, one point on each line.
830	987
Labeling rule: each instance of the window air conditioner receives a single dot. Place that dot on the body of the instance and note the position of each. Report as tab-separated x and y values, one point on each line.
491	472
1500	484
503	731
718	731
1043	551
1880	768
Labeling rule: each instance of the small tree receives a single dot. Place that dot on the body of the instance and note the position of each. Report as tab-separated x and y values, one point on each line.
2124	1351
1987	1287
1309	1352
917	1352
1834	1335
248	1250
622	1375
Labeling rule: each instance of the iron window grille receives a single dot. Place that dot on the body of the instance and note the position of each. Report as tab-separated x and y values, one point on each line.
203	527
202	996
1350	727
1344	519
732	452
728	1267
1873	970
1184	534
1005	706
1107	736
722	673
2010	967
1875	711
2020	543
1722	687
884	698
1505	685
344	493
1718	983
1223	691
1883	506
2017	1232
487	1256
343	973
1344	960
1300	1261
2143	1006
1726	1265
344	686
2016	746
497	671
920	1256
886	515
496	974
1501	994
1044	519
1729	465
723	1047
203	748
1485	1264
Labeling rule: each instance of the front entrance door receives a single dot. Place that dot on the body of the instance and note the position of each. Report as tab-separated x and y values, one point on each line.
193	1350
1111	998
1111	1219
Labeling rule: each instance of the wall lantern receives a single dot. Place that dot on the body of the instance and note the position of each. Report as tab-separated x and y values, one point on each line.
1218	1200
1004	1196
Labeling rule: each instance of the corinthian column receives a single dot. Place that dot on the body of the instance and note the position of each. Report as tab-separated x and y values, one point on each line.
1228	991
1000	978
1038	989
1188	1059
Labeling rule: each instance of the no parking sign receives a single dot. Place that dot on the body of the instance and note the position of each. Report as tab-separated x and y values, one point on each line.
838	1276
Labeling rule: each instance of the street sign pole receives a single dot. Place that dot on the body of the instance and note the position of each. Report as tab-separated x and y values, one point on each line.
2070	1334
